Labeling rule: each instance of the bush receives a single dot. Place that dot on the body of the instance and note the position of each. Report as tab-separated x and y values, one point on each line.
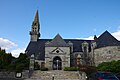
44	69
71	69
11	67
113	66
19	67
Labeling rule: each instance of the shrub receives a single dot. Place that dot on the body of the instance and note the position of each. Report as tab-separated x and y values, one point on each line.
11	67
19	67
71	69
113	66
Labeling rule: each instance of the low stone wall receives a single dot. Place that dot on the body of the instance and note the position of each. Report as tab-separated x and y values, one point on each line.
7	75
12	75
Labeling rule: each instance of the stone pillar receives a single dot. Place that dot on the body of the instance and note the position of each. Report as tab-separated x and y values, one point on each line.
93	45
71	46
32	62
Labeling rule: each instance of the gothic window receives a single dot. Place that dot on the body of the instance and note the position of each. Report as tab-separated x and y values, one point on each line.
84	46
85	51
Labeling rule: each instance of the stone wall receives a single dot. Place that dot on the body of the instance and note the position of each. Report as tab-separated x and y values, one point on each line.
63	53
7	75
12	75
106	54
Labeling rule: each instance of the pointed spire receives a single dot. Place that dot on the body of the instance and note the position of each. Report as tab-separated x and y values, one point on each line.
35	28
36	19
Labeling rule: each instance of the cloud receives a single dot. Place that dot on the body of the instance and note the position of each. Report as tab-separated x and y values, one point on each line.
89	38
6	44
116	34
11	47
17	51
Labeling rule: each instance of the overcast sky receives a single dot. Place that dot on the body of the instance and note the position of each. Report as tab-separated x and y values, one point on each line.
70	18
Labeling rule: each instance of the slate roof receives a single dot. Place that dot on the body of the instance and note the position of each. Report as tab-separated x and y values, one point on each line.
39	46
106	39
57	42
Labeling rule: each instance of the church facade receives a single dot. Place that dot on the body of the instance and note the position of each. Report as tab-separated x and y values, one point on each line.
58	53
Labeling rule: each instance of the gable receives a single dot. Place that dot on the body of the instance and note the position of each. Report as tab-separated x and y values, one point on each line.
106	39
57	42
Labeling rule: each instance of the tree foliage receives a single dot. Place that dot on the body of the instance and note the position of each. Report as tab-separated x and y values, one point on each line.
10	63
5	59
22	62
113	66
71	69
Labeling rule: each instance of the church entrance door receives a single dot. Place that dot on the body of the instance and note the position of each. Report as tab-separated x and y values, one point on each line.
57	63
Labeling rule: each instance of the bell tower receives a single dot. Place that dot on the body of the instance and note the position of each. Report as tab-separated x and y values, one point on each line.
34	33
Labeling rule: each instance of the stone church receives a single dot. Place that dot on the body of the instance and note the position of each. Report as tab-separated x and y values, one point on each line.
58	53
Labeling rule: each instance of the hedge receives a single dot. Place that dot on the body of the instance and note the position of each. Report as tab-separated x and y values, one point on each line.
71	69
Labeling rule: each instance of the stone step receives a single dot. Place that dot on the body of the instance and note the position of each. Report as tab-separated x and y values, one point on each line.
58	75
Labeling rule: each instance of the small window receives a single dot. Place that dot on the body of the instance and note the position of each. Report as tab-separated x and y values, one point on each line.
57	51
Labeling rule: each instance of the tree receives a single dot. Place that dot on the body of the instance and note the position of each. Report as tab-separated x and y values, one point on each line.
5	59
9	63
22	61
